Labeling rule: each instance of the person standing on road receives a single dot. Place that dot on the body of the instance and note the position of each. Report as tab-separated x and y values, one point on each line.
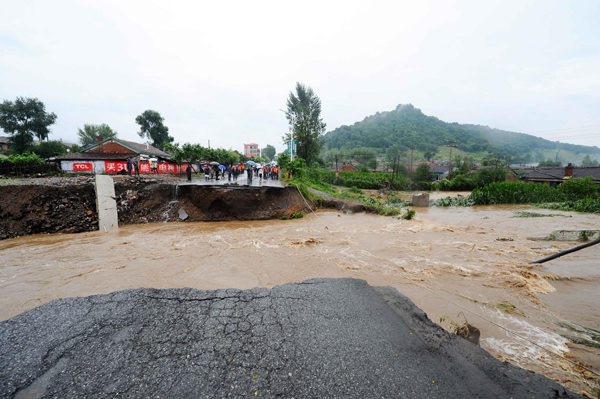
249	171
229	172
136	165
189	172
129	166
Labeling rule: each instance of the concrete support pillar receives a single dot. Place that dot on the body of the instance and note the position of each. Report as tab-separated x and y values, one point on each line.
106	205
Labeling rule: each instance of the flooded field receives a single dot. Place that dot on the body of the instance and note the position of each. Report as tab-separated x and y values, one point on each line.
477	257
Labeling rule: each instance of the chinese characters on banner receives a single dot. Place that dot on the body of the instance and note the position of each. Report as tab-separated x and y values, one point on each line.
117	166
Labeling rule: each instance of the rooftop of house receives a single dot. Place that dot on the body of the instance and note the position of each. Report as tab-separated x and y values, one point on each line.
138	148
93	156
439	169
558	173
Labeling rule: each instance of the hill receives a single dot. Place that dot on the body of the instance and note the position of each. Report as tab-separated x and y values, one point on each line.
407	127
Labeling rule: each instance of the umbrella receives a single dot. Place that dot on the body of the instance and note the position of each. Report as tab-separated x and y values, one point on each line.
222	167
251	163
214	163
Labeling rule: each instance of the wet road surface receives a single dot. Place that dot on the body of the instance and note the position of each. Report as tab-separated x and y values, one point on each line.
320	338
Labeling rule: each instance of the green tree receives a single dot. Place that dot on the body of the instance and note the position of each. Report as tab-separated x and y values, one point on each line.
152	127
589	162
24	119
90	134
190	153
48	149
306	125
550	162
372	164
283	160
428	155
269	152
423	173
297	167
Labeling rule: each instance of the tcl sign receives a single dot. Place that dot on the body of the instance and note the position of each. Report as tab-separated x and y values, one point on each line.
83	166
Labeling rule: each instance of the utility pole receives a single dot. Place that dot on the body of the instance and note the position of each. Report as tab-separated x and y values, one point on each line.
451	146
412	150
336	168
209	144
495	170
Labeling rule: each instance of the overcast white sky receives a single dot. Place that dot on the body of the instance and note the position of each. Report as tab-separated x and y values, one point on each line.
220	71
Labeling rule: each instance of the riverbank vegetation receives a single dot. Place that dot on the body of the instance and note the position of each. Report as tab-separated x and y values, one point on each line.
581	195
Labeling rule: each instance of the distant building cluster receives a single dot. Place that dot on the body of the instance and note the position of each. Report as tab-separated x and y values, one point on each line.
251	150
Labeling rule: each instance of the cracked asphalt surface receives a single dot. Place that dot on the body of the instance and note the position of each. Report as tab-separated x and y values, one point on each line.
320	338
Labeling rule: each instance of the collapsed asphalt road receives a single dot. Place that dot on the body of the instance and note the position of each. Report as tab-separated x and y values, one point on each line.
319	338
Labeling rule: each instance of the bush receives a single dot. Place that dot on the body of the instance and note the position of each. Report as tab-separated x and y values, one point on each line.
367	181
449	201
515	193
297	168
23	159
574	189
48	149
410	213
586	205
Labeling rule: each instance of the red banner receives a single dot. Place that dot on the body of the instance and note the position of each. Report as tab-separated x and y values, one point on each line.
83	166
117	166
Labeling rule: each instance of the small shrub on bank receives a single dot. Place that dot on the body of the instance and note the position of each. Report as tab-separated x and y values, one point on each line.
586	205
410	213
295	215
449	201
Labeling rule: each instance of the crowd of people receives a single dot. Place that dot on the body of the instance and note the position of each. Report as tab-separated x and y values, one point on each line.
218	172
215	172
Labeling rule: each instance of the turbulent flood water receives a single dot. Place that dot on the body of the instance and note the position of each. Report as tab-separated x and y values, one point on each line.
454	252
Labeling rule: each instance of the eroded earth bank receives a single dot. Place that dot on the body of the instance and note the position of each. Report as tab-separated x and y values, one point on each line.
69	206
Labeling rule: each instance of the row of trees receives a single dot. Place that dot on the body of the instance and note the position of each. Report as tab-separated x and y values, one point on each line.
26	118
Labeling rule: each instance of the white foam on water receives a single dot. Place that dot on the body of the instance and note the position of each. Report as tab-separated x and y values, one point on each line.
520	351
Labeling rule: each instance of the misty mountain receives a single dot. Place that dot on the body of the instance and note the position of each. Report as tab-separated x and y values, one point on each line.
408	127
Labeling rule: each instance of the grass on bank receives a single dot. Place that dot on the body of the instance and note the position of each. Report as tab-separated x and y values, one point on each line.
392	206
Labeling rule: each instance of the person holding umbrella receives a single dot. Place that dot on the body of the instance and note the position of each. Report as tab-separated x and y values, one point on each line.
215	169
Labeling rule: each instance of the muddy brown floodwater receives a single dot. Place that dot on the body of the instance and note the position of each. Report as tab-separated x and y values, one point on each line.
452	251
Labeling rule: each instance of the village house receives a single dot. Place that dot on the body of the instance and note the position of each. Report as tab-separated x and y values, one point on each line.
110	156
439	172
347	168
554	176
4	143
